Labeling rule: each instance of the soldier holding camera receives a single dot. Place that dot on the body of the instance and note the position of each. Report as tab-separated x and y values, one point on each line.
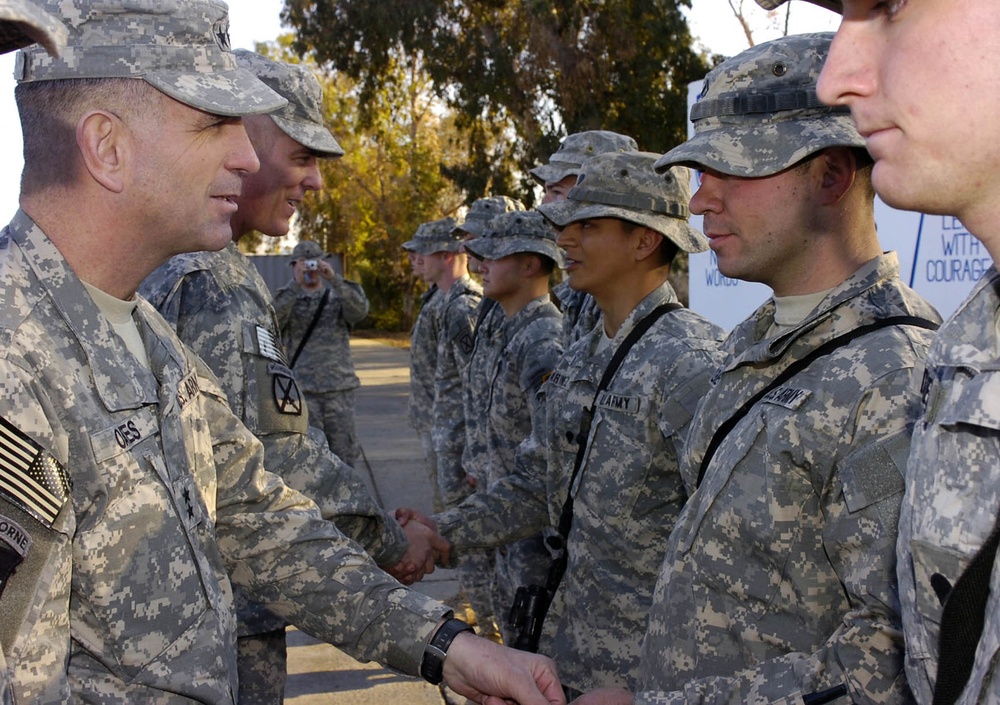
315	313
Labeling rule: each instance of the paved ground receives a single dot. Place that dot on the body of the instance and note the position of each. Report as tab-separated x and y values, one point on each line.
393	464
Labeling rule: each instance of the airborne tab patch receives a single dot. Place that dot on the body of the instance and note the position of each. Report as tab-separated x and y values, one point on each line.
30	478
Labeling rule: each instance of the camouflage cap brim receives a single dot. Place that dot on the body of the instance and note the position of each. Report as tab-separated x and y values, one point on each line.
500	247
315	137
231	93
181	48
763	149
414	247
22	23
834	5
675	229
431	246
554	172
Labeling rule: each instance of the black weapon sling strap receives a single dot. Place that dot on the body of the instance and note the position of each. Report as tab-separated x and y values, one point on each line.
312	326
559	563
962	620
798	366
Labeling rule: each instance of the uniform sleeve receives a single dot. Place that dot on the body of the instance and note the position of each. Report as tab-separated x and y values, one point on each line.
284	555
35	549
284	302
860	508
297	452
353	301
512	508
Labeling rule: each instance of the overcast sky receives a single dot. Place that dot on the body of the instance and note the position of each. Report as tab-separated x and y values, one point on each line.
711	21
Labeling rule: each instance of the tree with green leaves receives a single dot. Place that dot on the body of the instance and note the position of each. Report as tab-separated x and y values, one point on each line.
518	74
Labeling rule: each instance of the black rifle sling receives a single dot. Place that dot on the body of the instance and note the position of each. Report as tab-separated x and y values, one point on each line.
566	515
797	367
312	326
962	621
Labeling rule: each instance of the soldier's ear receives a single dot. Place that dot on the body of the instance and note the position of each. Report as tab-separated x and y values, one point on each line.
839	170
104	144
647	242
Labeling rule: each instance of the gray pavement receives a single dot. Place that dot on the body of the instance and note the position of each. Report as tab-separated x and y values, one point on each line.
393	464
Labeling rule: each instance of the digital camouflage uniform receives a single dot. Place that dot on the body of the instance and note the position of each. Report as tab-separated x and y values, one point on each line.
220	307
488	317
518	355
423	357
580	311
629	490
458	314
136	492
953	491
324	368
156	498
778	578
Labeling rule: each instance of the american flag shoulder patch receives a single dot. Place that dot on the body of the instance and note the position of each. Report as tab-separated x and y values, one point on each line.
269	347
30	478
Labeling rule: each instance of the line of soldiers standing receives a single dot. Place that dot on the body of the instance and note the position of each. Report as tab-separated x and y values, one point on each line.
728	511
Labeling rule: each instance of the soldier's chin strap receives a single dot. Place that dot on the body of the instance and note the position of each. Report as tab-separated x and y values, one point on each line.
798	366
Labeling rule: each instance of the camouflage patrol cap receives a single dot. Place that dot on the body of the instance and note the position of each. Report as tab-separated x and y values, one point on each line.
483	210
180	47
515	232
307	249
759	113
22	22
578	148
435	236
834	5
624	185
302	118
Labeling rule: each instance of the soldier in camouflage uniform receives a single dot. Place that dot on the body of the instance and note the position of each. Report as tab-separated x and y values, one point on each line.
479	567
135	497
931	67
779	577
423	359
622	226
324	366
518	253
558	176
220	307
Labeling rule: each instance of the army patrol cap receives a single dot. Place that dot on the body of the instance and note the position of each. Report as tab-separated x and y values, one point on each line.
834	5
624	185
483	210
23	23
180	47
516	232
578	148
759	114
302	118
307	249
435	236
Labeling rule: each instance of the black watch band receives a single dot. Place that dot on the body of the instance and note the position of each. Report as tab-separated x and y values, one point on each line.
432	666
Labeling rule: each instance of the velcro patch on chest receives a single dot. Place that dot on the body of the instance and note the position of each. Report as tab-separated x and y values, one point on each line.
788	397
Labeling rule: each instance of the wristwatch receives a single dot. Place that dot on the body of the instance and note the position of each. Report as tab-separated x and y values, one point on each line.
432	666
